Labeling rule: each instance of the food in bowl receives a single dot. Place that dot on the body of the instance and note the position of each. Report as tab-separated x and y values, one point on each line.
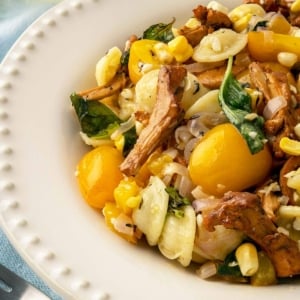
195	140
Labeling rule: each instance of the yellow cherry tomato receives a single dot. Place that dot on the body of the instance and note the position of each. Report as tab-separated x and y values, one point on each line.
142	59
98	174
222	162
266	45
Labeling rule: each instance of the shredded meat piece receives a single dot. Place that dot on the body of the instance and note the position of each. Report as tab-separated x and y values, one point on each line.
272	84
166	114
269	200
101	92
292	163
210	20
213	78
281	6
195	35
243	211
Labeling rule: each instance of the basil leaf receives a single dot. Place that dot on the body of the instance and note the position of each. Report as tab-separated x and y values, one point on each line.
176	202
98	121
236	104
159	32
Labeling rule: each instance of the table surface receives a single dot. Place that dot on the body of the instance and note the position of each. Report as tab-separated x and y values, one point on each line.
15	17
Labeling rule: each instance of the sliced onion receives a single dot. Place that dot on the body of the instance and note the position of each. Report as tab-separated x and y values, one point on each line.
184	185
175	168
182	136
204	121
172	152
189	147
204	204
124	127
273	106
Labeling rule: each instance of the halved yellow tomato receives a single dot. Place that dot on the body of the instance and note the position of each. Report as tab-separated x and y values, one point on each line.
98	174
222	162
142	59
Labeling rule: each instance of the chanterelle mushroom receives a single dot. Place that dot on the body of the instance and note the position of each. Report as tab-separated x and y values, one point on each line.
164	117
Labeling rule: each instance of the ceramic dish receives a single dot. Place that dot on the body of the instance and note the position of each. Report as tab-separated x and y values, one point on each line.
65	241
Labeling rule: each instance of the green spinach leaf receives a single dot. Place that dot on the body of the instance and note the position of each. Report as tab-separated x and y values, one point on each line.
236	104
160	32
98	121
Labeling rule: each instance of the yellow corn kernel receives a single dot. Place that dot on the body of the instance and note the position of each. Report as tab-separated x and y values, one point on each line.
162	52
192	23
289	211
295	7
287	59
256	98
293	180
290	146
215	5
279	24
180	48
120	142
245	9
126	195
246	255
242	23
157	165
241	15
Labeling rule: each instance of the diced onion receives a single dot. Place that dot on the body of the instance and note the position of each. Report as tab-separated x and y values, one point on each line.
123	224
273	106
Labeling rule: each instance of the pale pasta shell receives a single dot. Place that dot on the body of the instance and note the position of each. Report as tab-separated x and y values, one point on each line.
151	214
219	45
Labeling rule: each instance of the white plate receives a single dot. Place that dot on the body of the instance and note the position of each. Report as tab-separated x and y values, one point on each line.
41	211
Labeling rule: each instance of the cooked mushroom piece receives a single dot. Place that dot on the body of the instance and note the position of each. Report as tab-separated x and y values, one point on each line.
165	115
243	211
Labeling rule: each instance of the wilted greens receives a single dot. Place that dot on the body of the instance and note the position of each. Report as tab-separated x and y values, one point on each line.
236	104
98	121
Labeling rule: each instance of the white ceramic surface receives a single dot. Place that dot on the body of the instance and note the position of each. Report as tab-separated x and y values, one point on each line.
41	211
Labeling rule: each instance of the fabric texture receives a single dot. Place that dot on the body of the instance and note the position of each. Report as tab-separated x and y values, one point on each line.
15	17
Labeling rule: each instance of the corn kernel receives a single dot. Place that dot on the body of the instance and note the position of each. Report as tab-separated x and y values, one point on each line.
297	130
293	179
157	165
192	23
289	211
279	24
162	52
287	59
215	5
126	195
246	255
180	48
295	7
290	146
245	9
241	15
120	142
242	23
